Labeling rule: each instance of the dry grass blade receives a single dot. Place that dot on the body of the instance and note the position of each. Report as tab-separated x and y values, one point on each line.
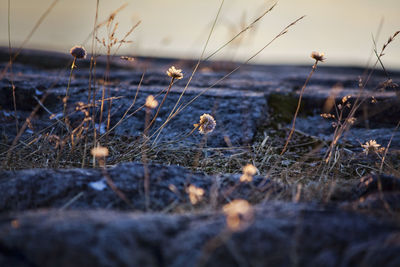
10	64
126	36
387	147
201	57
23	128
182	107
314	67
358	102
26	40
242	31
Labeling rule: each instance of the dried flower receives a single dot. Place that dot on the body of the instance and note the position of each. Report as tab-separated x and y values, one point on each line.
195	194
318	56
175	73
127	58
345	98
207	124
151	102
245	178
351	120
327	116
248	172
388	84
99	152
371	146
239	214
78	52
249	169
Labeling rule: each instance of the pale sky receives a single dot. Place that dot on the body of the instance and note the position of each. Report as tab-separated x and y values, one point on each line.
342	29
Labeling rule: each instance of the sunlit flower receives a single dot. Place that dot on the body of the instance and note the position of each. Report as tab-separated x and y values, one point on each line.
207	124
175	73
250	169
351	120
318	56
388	84
327	116
248	172
371	146
239	214
195	194
345	98
151	102
99	152
245	178
127	58
78	52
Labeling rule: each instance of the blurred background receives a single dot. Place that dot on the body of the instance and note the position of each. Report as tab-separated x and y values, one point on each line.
343	29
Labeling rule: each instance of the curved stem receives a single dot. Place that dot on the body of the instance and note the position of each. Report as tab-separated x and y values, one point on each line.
162	102
314	67
67	91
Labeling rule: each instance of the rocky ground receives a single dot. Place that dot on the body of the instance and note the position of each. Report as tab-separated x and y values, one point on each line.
55	213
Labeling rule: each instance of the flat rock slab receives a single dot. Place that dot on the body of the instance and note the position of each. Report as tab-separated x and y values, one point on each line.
322	129
88	188
239	102
280	234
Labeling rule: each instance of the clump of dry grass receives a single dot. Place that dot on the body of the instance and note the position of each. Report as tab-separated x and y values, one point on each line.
298	164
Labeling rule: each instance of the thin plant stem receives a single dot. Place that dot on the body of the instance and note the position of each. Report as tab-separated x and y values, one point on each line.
201	59
145	162
182	107
131	106
35	27
91	79
22	130
387	147
358	102
162	102
65	100
196	67
314	67
11	69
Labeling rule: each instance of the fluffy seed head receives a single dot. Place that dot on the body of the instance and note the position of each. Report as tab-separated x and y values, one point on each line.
248	172
127	58
151	102
327	116
346	98
245	178
175	73
318	56
78	52
195	194
249	169
239	214
351	120
207	124
99	152
371	146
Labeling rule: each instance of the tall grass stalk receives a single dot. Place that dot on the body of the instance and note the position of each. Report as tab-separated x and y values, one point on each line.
92	78
314	67
10	64
358	102
29	36
65	100
182	107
